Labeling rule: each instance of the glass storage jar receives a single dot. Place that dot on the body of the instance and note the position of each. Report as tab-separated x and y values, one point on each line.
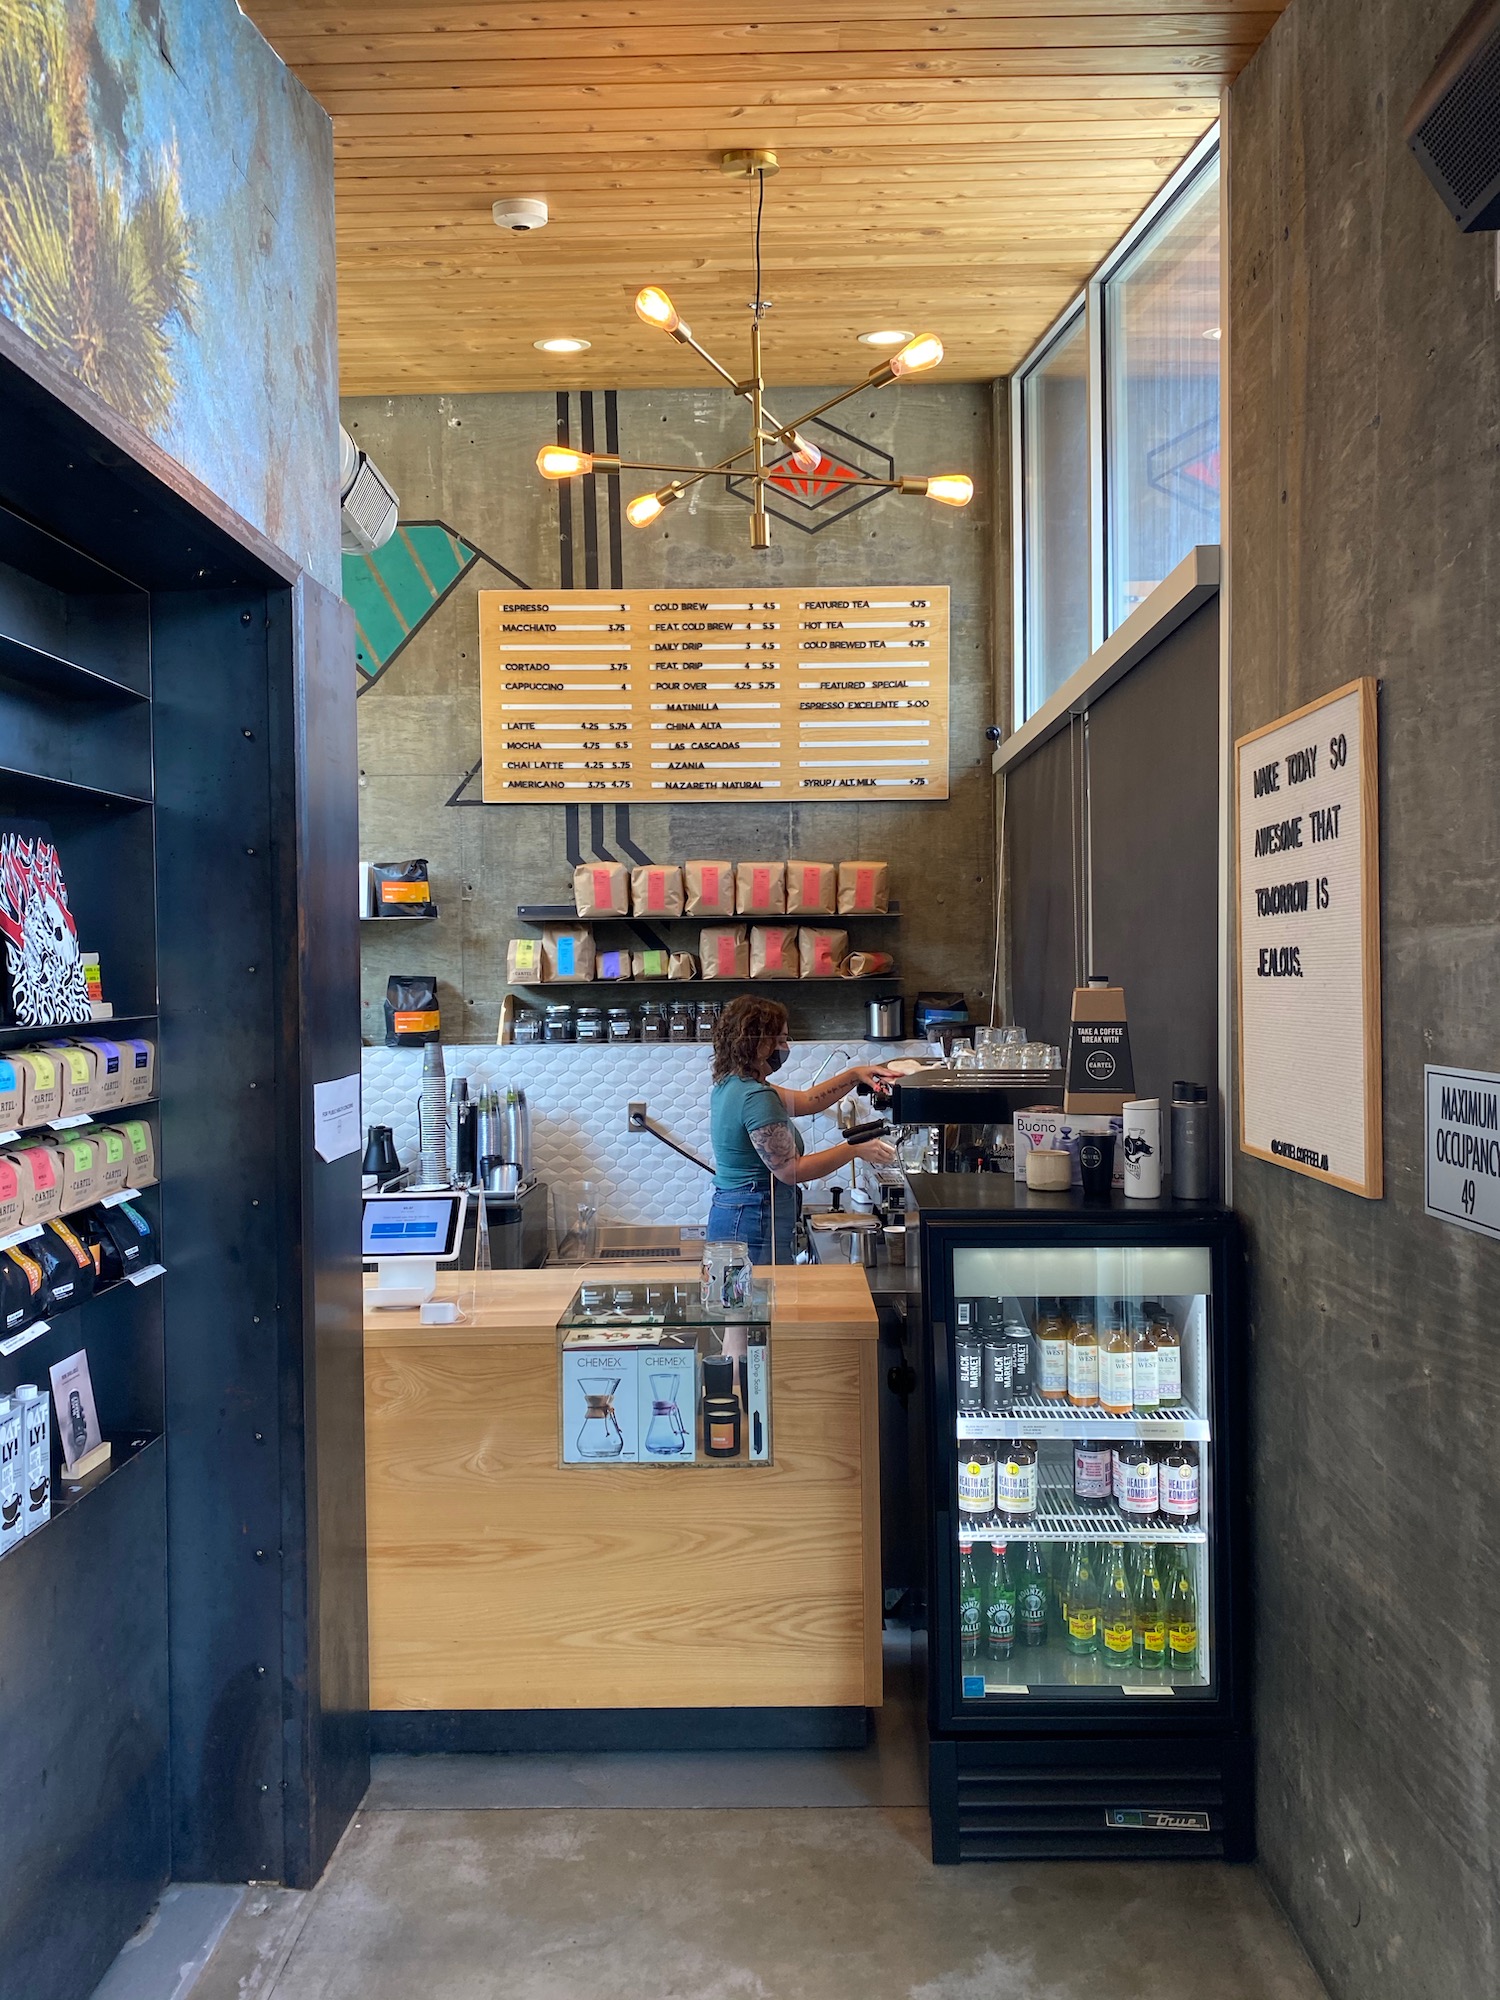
559	1026
653	1021
589	1024
621	1025
708	1015
527	1025
683	1024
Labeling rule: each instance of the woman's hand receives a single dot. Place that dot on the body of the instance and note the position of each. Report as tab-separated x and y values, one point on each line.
874	1076
875	1152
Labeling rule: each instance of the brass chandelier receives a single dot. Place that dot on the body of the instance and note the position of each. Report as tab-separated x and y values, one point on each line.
925	350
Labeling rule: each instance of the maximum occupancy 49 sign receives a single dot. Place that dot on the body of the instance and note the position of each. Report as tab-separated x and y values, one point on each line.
665	695
1307	812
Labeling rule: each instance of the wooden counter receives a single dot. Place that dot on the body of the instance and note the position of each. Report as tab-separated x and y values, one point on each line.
500	1580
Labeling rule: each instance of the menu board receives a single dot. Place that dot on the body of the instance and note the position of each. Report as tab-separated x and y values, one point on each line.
660	695
1309	934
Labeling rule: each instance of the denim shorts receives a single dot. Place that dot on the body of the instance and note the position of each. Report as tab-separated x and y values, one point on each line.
743	1215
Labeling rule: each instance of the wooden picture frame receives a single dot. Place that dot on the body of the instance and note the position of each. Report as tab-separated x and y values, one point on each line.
1308	940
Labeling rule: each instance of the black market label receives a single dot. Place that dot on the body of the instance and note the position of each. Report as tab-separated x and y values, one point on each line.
1099	1057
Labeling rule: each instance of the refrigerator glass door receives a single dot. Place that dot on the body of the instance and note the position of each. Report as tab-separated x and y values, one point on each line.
1082	1473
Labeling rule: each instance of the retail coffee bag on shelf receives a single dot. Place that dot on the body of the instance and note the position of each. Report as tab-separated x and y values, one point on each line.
412	1018
82	1171
140	1147
867	965
12	1093
725	951
864	887
710	888
523	962
773	952
68	1273
115	1154
110	1077
76	1074
614	964
649	964
20	1290
10	1196
567	954
41	1086
760	888
401	889
682	965
656	891
821	953
139	1057
601	889
812	888
40	1175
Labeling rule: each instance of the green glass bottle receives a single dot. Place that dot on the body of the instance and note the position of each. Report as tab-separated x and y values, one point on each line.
1150	1613
970	1604
1116	1612
1032	1598
1182	1619
999	1607
1083	1603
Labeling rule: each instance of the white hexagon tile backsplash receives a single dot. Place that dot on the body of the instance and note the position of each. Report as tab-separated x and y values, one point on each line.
577	1096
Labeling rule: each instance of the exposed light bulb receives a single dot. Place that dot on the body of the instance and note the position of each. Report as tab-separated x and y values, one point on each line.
656	309
926	351
954	489
645	507
555	461
805	454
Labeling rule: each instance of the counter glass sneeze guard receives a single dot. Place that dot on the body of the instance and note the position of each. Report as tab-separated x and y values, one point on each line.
650	1375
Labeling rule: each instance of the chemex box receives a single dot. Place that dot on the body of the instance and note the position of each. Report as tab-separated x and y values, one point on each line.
599	1405
666	1404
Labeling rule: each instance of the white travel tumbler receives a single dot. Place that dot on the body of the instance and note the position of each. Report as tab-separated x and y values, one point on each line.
1141	1139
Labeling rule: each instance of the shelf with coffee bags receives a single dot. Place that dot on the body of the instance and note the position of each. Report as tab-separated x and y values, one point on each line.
52	1271
567	913
109	1027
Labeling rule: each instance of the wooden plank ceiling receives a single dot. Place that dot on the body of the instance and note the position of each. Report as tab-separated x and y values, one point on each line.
952	165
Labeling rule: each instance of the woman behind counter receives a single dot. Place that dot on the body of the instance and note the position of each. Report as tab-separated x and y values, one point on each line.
754	1139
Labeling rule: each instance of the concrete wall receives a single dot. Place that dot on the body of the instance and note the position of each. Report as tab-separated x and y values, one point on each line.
1364	377
469	461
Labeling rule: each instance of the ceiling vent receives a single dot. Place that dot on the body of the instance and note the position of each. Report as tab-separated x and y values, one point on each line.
1454	125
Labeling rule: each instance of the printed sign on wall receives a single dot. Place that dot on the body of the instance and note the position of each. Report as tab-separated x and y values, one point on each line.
1462	1179
656	696
1307	815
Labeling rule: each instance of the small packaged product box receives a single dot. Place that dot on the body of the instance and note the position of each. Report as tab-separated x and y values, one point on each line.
523	962
656	891
40	1173
599	1406
75	1070
601	889
725	951
1100	1076
649	964
812	888
709	888
110	1075
1050	1130
567	954
864	888
666	1403
139	1057
114	1158
12	1474
760	889
821	953
773	952
41	1086
614	964
36	1435
12	1093
10	1196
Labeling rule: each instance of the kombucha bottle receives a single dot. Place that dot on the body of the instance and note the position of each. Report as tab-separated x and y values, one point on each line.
1116	1363
1083	1360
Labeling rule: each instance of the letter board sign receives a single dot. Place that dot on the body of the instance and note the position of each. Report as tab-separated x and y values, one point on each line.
1308	890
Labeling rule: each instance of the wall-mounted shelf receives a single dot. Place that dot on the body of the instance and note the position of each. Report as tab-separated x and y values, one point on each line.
565	913
37	668
700	987
33	790
71	1031
428	917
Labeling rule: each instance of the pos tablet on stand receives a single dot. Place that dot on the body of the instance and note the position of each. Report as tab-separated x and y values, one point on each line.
409	1235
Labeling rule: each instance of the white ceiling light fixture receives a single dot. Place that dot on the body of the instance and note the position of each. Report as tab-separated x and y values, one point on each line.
912	354
885	336
520	213
1213	332
563	343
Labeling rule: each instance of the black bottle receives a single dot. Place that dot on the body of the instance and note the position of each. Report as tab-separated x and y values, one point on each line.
721	1408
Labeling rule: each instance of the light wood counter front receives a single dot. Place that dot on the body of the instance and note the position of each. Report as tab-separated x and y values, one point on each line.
500	1580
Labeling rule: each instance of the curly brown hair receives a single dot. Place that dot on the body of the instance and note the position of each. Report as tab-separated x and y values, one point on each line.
745	1024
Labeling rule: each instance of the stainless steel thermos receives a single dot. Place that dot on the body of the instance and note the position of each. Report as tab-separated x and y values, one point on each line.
1192	1166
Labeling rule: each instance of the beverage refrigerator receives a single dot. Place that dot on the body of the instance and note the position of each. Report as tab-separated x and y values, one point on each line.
1088	1656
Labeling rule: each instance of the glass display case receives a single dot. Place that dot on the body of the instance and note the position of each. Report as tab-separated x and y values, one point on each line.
1086	1544
667	1372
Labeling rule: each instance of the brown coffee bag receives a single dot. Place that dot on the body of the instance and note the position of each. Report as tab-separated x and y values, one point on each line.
601	889
613	965
821	952
139	1058
760	888
650	964
115	1154
725	951
10	1196
523	962
864	887
773	952
682	965
656	891
82	1171
710	888
12	1095
40	1173
41	1086
76	1071
812	888
110	1077
567	954
867	964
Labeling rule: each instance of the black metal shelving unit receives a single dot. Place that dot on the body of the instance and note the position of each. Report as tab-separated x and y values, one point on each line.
182	1647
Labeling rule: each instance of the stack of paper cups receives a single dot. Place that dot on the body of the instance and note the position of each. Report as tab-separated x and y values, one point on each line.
1141	1138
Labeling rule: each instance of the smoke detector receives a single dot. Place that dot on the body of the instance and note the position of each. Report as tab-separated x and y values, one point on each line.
520	213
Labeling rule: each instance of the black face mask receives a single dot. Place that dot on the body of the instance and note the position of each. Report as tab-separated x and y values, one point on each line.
776	1058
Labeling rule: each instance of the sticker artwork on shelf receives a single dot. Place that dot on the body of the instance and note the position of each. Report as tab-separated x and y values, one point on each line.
45	984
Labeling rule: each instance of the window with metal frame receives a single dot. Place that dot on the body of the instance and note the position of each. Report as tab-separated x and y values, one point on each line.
1055	512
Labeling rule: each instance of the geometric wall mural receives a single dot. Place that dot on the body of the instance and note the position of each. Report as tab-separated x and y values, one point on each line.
396	590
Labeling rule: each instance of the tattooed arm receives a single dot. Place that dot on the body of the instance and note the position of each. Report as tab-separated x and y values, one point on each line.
807	1103
777	1146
